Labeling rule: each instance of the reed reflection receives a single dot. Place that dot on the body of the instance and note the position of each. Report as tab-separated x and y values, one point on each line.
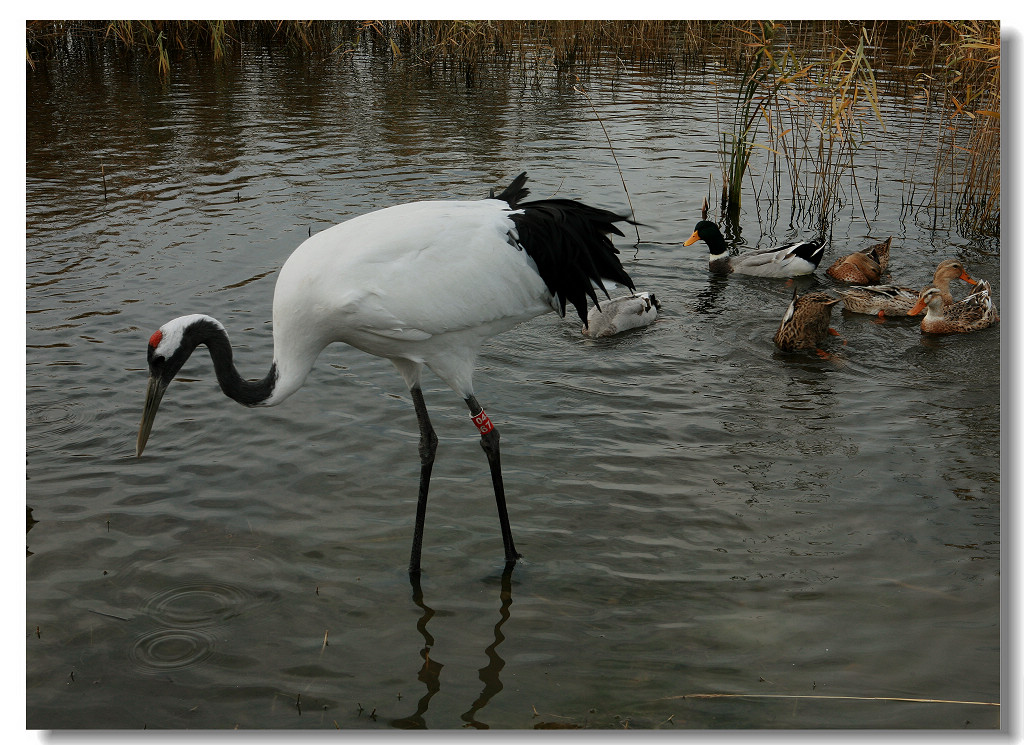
430	672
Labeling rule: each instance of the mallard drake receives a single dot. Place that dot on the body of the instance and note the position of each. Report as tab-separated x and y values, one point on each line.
975	312
805	324
882	300
622	313
862	267
789	260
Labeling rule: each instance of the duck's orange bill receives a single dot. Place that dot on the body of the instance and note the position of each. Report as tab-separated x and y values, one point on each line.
966	278
692	239
918	307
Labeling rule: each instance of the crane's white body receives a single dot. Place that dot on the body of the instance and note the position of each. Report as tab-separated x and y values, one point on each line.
450	271
421	284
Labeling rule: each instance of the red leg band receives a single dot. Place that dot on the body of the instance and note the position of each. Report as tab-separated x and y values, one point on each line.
482	422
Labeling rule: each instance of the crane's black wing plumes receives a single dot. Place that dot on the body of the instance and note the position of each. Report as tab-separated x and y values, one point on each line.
514	192
569	242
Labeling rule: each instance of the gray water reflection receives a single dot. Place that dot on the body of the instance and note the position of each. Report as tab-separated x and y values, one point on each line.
430	672
699	513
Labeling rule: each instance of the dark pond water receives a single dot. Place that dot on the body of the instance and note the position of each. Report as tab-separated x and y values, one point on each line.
815	540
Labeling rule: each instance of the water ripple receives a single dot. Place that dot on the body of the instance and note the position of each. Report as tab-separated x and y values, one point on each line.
55	422
198	604
164	650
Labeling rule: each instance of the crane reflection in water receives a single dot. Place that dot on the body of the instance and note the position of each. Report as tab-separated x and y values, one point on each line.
430	672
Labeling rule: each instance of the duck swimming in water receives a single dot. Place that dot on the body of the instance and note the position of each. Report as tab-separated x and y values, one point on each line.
862	267
975	312
789	260
883	300
806	322
621	314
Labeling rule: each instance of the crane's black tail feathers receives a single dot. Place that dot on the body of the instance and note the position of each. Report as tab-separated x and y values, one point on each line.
569	242
514	192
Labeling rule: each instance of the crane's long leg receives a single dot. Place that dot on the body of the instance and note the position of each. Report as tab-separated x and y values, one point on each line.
427	448
489	442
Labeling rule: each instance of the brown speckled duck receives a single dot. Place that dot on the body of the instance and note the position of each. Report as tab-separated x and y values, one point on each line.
863	267
975	312
883	300
805	324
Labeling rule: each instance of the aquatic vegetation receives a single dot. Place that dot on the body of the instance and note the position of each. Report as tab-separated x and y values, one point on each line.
811	90
804	94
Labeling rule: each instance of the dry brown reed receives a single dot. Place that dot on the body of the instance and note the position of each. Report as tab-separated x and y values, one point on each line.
969	138
803	94
804	89
807	91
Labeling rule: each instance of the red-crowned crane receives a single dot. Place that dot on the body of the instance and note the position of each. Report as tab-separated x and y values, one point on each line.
423	283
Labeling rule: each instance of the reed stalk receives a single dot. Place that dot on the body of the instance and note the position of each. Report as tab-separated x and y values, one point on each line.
812	106
760	82
804	91
971	106
580	89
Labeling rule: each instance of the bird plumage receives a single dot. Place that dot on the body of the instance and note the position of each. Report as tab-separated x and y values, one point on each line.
805	323
975	312
894	300
880	300
622	314
864	267
794	259
422	284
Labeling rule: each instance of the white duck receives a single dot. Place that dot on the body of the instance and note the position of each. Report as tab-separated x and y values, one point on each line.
621	314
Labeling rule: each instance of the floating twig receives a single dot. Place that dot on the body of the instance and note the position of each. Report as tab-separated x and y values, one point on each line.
108	615
832	698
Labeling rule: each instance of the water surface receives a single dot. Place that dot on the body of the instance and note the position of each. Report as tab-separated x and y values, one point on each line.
699	513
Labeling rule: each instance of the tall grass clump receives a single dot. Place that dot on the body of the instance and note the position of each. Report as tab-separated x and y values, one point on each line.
799	108
806	93
463	47
162	42
763	76
967	157
801	96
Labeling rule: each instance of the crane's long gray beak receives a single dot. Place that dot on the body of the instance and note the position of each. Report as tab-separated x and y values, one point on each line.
154	393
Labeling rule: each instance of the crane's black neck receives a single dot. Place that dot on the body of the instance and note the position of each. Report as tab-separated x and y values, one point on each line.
209	332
